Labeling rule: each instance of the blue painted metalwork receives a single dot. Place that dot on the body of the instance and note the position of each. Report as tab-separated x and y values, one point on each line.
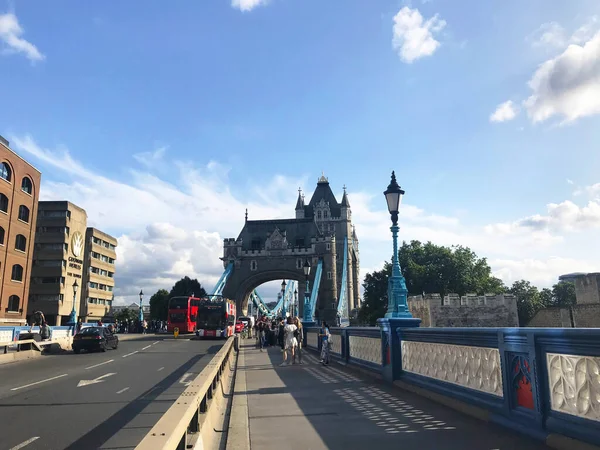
307	315
315	292
397	292
342	308
218	289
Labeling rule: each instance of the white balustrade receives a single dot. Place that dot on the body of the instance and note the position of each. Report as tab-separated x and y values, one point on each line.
366	348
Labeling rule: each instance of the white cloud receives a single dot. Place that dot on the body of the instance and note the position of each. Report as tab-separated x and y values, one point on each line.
567	85
540	272
504	112
414	38
10	34
549	35
167	230
151	159
560	217
248	5
569	181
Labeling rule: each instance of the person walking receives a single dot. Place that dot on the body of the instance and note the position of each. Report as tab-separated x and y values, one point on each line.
324	335
299	335
290	342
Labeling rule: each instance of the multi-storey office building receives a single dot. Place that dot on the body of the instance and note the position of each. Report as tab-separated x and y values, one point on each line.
98	275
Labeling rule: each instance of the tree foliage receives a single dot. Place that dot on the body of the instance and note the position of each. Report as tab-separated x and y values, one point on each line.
429	268
126	314
186	287
159	305
530	300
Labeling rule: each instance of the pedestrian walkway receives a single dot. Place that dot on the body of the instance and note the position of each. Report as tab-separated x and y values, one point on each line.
313	407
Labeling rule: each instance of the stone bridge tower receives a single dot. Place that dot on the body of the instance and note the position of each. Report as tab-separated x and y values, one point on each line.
267	250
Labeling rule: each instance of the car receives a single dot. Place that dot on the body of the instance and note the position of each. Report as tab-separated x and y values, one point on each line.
95	338
239	326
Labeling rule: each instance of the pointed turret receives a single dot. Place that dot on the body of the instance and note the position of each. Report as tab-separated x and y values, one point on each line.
345	203
300	205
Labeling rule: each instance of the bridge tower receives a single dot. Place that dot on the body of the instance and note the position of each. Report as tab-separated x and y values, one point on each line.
267	250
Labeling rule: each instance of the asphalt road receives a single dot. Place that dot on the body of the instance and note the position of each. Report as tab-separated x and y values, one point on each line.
96	400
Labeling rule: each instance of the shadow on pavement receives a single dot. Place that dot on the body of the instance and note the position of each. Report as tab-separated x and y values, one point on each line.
348	409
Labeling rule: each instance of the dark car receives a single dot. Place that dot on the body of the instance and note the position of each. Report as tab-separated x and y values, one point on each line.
94	338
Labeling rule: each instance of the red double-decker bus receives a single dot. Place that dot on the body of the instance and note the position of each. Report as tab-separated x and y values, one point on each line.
216	317
182	314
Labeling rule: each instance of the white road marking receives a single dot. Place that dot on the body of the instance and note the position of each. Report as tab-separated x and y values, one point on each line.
129	354
122	390
23	444
154	343
147	346
38	382
184	379
101	364
160	369
97	380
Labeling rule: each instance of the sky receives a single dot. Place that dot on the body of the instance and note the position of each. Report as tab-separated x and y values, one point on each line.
165	122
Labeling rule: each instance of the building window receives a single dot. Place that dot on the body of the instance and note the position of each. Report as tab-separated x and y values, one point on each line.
329	275
299	263
325	214
21	243
13	303
5	171
3	203
253	265
17	273
300	242
27	185
24	213
328	246
255	245
319	215
1	236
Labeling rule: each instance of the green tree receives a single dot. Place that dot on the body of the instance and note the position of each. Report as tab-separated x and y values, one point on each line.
159	305
375	298
564	294
126	314
430	268
528	300
546	298
186	287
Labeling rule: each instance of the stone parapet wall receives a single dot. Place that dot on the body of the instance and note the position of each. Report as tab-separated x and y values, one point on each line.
465	311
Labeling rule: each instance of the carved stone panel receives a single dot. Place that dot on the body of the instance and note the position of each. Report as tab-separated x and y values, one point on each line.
336	344
276	241
574	383
366	348
6	335
471	367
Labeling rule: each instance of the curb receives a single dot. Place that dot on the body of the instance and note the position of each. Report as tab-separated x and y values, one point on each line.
238	433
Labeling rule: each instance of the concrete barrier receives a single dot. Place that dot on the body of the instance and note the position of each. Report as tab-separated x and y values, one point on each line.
199	416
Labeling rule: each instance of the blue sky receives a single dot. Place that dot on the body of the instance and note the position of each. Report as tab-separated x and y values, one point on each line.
488	112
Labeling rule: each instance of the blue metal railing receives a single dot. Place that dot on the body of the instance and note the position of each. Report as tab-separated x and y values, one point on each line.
218	289
315	289
342	304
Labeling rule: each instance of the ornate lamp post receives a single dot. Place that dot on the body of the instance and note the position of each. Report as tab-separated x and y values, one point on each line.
307	314
397	292
284	311
141	314
73	316
296	302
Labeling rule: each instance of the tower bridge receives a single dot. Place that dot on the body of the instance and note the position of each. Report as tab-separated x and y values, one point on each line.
321	235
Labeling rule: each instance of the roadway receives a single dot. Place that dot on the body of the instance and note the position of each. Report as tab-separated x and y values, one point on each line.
103	400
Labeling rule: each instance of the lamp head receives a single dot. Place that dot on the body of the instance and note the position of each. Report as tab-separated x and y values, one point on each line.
306	268
393	196
75	287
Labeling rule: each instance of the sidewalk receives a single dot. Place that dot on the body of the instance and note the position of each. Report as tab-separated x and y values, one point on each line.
310	407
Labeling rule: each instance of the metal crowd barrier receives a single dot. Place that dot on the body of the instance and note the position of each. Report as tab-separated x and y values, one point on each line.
182	422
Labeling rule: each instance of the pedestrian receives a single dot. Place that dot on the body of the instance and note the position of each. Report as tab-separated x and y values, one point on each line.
290	342
324	335
79	326
299	335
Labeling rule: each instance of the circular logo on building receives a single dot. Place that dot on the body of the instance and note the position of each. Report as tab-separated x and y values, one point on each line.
77	244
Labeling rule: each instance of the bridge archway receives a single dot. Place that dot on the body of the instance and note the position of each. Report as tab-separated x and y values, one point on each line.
245	288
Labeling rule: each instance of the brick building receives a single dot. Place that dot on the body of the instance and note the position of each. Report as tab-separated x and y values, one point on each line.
19	193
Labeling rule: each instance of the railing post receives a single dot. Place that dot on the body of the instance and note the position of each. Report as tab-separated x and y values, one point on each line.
391	352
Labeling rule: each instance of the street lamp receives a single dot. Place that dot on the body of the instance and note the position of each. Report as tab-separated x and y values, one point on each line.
307	314
141	314
279	300
283	285
296	302
73	316
397	292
